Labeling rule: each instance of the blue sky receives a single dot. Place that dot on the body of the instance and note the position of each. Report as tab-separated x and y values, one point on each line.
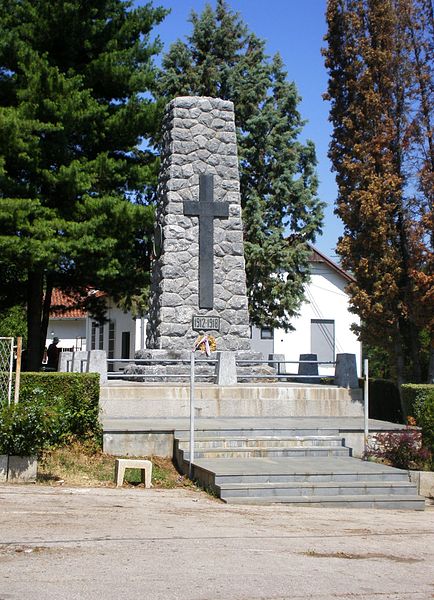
295	28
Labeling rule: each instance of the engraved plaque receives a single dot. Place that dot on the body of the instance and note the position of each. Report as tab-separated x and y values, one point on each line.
206	323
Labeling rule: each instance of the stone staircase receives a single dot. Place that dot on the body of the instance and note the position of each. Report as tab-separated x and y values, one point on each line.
299	467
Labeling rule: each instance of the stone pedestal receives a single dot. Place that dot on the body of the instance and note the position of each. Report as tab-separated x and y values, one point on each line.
346	371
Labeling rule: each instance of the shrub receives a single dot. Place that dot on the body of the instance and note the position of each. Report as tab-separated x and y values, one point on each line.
419	400
26	428
74	397
401	449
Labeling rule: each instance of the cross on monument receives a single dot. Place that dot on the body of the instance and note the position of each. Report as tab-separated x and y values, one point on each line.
206	209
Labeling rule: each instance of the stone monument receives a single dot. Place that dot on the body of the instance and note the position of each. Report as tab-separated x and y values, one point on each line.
199	282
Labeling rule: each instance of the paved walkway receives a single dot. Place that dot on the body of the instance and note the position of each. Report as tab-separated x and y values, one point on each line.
277	423
88	544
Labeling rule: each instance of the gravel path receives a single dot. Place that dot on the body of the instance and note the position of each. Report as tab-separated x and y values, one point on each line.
87	543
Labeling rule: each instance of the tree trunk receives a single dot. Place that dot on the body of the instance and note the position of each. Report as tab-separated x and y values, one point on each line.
430	378
34	314
416	369
400	379
46	313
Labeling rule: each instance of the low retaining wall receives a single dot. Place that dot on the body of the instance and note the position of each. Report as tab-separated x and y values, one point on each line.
243	400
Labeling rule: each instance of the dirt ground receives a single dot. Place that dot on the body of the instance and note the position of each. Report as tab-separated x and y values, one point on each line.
154	544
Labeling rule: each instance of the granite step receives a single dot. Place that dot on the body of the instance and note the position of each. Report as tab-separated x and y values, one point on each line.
389	502
255	432
257	452
330	488
203	441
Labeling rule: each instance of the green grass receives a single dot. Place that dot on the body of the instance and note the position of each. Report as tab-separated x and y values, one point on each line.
84	464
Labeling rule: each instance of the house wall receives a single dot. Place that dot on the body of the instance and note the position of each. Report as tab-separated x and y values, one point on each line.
326	300
259	344
71	332
123	322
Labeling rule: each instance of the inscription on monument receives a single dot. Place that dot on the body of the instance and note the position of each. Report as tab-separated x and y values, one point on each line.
206	323
206	209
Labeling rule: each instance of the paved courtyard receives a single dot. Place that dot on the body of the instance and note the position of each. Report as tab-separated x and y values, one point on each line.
58	543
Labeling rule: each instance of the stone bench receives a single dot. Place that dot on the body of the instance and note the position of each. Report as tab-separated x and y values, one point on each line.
128	463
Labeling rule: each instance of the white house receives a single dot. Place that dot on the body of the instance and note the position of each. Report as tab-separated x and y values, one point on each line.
324	325
120	335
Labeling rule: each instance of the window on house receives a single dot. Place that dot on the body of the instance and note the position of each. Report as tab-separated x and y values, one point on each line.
93	337
111	344
111	340
125	344
101	337
267	333
322	339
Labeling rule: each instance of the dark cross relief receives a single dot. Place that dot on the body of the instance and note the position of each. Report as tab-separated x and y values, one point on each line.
206	209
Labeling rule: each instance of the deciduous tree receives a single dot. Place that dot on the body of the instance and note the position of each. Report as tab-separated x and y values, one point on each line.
381	115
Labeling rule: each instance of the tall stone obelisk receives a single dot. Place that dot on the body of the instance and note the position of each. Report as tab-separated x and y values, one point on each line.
198	280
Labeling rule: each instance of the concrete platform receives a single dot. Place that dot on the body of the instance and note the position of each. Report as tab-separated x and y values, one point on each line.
260	444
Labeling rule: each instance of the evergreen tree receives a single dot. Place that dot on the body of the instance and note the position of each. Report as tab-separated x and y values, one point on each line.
72	176
374	110
281	212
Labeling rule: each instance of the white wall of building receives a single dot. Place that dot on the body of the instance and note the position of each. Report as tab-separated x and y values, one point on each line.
117	335
326	301
71	332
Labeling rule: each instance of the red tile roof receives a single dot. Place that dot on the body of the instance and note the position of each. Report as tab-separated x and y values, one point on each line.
70	306
65	306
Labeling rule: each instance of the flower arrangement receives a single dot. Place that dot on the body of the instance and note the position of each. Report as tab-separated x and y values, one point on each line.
206	343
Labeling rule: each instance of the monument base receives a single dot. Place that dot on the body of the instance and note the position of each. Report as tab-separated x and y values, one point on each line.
174	365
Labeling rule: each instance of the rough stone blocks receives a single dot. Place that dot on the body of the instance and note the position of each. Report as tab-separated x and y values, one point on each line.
199	137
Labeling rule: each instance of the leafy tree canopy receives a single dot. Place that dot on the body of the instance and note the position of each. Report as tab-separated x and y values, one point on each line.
380	63
73	179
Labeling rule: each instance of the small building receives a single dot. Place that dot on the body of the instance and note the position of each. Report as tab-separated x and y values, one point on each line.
120	335
324	324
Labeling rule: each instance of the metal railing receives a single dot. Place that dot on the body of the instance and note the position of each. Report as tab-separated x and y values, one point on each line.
278	374
111	374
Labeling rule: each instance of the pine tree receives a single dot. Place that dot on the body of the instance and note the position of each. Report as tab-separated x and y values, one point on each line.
72	175
281	212
371	88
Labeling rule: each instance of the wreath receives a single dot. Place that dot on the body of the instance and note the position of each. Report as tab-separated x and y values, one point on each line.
205	343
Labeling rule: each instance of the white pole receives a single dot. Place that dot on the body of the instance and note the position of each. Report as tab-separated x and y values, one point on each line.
366	397
11	364
190	470
18	369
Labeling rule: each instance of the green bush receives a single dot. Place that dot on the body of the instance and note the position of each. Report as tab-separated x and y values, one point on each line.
26	428
73	396
419	401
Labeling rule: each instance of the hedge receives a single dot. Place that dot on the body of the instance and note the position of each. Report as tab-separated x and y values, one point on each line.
384	401
419	401
73	396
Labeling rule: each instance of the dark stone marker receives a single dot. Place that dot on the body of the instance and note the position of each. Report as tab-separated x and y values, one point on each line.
206	209
308	368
